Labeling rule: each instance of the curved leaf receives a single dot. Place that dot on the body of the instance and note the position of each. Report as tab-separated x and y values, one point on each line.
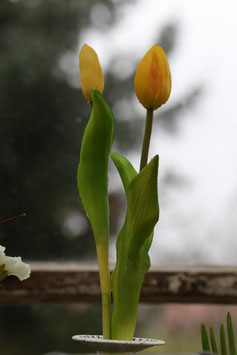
92	181
132	258
125	169
127	173
92	175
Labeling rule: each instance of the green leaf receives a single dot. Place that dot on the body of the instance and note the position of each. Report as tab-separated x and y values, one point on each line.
92	175
213	341
223	340
205	341
92	182
127	173
231	337
125	169
132	258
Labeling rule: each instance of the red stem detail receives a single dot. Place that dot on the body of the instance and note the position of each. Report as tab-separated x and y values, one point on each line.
12	218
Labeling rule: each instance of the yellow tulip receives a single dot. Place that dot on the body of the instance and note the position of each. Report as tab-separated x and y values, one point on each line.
153	79
90	71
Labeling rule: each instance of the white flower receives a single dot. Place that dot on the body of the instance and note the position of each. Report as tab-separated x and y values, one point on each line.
13	266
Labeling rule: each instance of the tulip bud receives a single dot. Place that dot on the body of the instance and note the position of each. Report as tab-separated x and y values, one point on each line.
90	71
153	79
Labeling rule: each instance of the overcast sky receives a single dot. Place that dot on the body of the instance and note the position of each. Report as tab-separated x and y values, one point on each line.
200	219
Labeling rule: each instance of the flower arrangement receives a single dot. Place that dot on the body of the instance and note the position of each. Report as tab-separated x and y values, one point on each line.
152	86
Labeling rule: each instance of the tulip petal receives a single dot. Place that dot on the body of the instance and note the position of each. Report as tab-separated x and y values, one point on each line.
153	79
90	72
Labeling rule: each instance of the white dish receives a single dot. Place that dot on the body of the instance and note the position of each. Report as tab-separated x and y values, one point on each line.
101	344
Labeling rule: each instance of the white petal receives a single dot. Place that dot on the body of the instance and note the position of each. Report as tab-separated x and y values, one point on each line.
2	249
2	254
15	266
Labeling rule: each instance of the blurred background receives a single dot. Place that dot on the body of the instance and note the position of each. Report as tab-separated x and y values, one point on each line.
43	115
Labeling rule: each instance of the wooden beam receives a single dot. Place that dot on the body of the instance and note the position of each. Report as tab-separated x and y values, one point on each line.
72	282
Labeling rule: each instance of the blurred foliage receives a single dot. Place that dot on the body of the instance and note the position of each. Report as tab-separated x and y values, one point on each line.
42	121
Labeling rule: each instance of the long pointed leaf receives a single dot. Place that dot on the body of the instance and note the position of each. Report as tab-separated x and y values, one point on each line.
213	341
231	336
205	341
93	167
92	181
223	340
132	257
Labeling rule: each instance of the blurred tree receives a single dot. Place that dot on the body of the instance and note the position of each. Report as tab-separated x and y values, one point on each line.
43	117
42	121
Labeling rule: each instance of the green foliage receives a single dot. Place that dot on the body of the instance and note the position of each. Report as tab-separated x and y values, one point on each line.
223	347
222	340
213	341
92	179
205	341
125	169
231	336
92	175
127	173
132	257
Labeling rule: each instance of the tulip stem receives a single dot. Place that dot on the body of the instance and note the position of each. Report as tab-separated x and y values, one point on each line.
147	138
104	273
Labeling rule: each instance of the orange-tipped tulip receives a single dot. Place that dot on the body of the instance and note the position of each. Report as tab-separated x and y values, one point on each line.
90	71
153	79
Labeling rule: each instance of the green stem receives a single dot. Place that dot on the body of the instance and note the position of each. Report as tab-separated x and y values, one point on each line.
147	138
103	262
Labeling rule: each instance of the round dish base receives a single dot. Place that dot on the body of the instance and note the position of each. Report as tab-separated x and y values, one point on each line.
117	346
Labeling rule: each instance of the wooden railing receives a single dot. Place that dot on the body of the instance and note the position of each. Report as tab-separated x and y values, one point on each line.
71	282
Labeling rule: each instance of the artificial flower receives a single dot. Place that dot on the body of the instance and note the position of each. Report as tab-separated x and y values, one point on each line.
90	72
13	266
153	79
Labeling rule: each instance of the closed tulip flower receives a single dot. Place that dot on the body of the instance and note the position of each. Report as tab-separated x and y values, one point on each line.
90	71
153	79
